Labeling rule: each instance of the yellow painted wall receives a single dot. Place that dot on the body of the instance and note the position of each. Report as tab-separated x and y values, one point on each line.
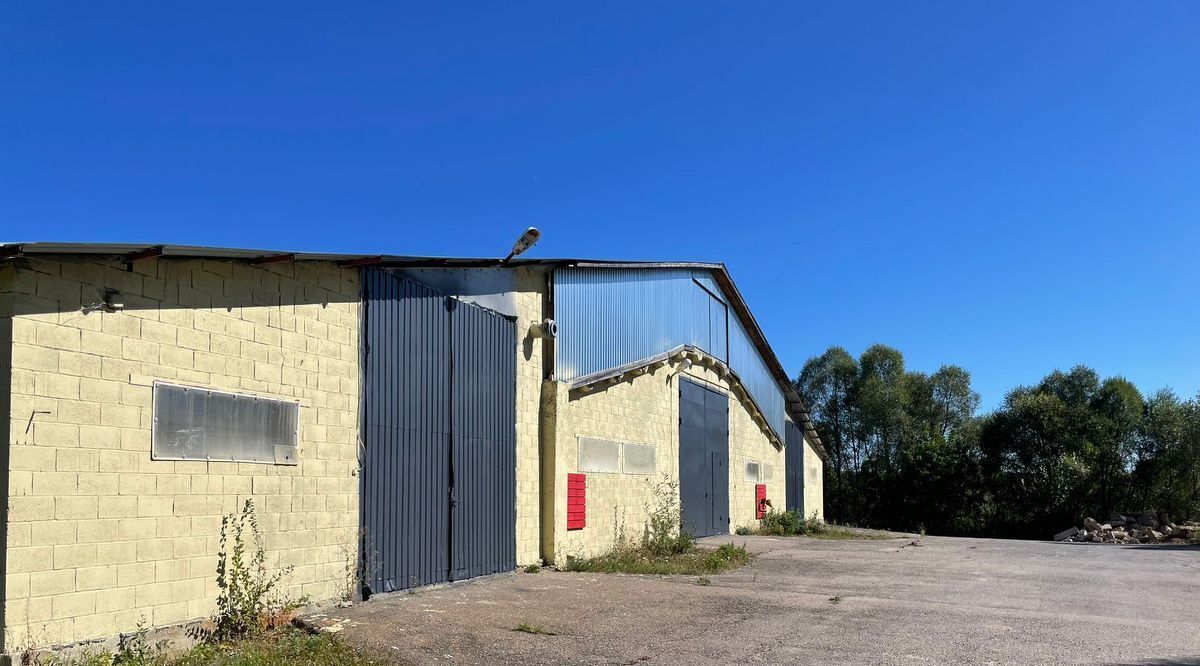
531	285
814	482
100	536
645	410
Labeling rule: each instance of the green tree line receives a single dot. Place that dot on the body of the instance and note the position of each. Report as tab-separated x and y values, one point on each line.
907	450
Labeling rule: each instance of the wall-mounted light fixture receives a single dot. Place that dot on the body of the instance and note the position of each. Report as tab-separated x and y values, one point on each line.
113	301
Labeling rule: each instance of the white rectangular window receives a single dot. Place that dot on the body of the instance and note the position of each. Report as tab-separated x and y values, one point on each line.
753	472
192	423
640	459
599	455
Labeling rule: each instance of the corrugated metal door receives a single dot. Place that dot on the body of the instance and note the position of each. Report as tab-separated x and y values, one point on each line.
793	459
716	422
439	473
406	514
483	462
695	478
703	459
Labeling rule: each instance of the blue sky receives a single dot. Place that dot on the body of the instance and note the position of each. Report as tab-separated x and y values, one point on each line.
1009	187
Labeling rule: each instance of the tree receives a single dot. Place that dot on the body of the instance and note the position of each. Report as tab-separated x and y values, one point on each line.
907	449
1118	407
825	383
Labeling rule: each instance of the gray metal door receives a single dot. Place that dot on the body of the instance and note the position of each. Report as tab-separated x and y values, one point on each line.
439	474
483	517
793	459
703	459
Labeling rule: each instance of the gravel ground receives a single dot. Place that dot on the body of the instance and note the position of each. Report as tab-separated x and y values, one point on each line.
945	601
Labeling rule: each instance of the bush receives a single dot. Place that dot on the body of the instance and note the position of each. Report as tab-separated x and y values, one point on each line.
786	523
791	523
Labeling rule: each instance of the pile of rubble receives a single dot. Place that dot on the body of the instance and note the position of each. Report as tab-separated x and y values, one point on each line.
1144	527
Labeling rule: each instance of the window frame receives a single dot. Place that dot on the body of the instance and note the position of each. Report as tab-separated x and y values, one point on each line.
293	461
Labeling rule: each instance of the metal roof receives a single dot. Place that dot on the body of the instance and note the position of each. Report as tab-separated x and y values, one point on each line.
138	251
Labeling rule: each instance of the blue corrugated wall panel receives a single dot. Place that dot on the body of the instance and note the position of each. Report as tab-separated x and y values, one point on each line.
754	373
610	317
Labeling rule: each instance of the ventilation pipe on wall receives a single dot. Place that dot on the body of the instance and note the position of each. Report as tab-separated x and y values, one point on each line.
546	330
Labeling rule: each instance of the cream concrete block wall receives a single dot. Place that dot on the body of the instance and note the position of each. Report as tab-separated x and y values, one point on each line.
814	482
748	443
100	536
531	286
645	410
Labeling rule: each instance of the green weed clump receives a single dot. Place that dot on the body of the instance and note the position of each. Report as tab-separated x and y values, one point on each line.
666	548
791	523
634	560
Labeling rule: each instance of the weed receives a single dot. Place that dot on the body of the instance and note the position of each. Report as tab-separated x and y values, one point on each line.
664	533
532	568
639	561
790	523
666	548
85	658
526	628
135	649
248	601
742	530
703	582
285	646
782	523
362	563
835	600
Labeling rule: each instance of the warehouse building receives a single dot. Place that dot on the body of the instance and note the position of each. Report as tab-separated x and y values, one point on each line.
398	421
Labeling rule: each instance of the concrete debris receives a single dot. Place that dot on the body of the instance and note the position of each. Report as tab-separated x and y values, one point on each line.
1144	527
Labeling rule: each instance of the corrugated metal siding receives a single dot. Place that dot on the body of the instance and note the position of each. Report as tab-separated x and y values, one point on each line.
484	518
755	375
439	472
406	512
608	317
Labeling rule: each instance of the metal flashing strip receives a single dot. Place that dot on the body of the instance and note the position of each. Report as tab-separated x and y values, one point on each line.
638	368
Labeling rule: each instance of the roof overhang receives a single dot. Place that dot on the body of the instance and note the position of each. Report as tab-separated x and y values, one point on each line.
133	252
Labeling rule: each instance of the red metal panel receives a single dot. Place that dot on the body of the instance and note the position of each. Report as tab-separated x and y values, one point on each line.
576	501
760	501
